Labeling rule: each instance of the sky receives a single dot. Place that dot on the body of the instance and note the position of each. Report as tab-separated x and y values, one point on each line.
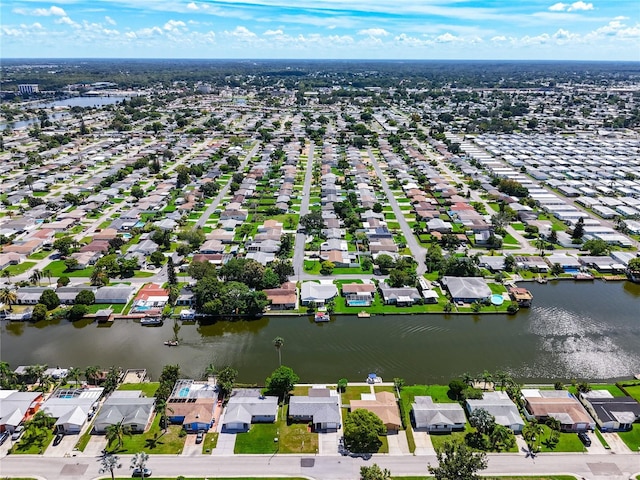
322	29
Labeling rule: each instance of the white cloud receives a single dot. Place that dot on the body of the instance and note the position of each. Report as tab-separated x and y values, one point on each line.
571	7
192	6
447	38
174	25
109	20
273	32
41	12
66	21
242	33
374	32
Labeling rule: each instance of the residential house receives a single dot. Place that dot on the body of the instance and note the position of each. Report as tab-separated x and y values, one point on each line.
612	414
558	404
17	407
383	405
467	289
128	407
319	293
119	293
283	298
70	407
247	406
401	297
192	404
358	294
501	407
321	407
437	417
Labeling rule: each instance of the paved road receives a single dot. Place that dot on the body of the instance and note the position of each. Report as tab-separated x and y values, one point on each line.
223	191
607	466
419	253
298	250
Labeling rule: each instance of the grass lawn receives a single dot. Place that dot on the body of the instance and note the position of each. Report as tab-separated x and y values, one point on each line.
353	393
148	388
23	447
545	477
117	308
59	269
153	441
569	442
634	391
41	255
613	390
210	442
20	268
293	438
312	267
632	438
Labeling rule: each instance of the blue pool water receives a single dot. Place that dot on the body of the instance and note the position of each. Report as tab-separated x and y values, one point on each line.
497	299
139	224
358	303
141	308
184	392
66	396
572	271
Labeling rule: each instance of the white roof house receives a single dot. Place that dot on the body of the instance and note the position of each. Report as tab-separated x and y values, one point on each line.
319	293
501	407
437	417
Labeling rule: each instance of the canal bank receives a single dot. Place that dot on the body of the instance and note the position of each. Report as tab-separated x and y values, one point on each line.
573	331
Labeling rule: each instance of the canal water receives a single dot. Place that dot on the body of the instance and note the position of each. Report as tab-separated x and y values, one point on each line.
587	330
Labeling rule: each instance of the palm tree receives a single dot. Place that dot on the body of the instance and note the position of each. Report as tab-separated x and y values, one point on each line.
36	373
8	297
91	374
139	461
161	409
7	376
209	371
503	378
116	432
467	378
47	273
7	274
486	378
532	432
35	277
500	437
278	342
74	374
108	463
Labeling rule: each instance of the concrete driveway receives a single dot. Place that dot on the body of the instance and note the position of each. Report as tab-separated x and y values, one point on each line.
328	443
225	445
398	443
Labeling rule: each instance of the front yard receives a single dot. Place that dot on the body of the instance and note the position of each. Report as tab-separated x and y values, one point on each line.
154	441
292	438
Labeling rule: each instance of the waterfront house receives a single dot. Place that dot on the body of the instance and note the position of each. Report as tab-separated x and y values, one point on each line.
192	404
558	404
501	407
437	417
119	293
247	406
401	297
283	298
467	289
612	414
358	294
29	295
17	407
320	407
383	405
70	407
128	407
319	293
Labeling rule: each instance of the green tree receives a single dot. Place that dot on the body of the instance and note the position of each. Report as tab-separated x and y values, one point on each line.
384	262
532	434
312	222
172	278
362	430
278	342
157	258
578	230
596	247
85	297
49	299
282	268
226	379
326	267
77	312
70	264
374	472
74	375
456	461
501	438
64	245
39	312
116	433
482	421
8	297
109	463
281	381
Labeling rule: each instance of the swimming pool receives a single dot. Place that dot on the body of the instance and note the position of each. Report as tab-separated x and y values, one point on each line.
497	299
358	303
141	308
184	392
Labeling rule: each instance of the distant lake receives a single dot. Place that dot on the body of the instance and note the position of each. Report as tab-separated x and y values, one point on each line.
98	101
574	330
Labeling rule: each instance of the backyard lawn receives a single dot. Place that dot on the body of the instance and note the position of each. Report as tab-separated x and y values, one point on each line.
634	391
19	268
57	268
148	388
353	393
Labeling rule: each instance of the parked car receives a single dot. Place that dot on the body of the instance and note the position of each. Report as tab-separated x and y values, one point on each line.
17	433
58	439
3	437
199	437
137	472
584	438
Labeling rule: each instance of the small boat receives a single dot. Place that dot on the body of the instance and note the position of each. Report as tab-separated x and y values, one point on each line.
151	321
171	343
322	317
364	314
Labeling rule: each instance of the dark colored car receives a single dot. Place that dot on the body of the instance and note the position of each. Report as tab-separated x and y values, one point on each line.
584	438
199	437
3	437
58	439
